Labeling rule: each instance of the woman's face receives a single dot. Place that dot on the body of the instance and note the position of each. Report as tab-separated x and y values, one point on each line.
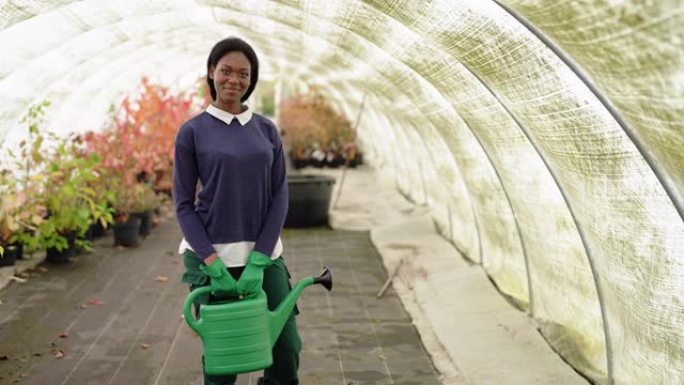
231	77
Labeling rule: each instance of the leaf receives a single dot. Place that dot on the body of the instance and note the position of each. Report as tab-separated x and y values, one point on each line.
12	225
95	301
36	219
144	345
69	190
15	278
63	335
162	278
59	354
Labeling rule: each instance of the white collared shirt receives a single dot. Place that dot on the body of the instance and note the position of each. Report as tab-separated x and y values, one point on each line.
227	117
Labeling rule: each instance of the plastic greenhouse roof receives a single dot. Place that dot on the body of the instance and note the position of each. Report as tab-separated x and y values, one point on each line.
547	137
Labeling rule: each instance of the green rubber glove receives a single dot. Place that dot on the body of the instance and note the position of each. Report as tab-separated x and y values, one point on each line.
222	283
253	276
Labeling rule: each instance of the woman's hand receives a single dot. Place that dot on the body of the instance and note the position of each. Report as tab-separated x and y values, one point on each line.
222	283
252	277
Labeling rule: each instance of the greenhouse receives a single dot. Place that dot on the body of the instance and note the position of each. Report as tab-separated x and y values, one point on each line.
504	180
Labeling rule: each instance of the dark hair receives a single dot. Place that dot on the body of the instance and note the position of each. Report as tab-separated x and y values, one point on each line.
229	45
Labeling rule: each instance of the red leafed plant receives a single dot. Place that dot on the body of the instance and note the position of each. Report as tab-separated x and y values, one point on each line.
139	141
315	130
153	120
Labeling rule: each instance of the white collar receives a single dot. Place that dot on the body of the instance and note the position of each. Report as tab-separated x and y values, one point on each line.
227	117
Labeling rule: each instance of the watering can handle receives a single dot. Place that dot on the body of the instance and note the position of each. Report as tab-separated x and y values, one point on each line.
189	302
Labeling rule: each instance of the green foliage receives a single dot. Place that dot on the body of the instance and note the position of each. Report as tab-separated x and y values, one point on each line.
57	186
267	105
55	192
69	195
135	198
266	95
22	209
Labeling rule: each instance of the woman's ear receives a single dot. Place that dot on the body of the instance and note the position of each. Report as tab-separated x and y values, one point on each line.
211	72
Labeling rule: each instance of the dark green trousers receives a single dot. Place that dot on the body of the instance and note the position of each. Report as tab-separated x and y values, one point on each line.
277	286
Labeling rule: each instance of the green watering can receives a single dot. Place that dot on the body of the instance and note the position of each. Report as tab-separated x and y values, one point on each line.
238	334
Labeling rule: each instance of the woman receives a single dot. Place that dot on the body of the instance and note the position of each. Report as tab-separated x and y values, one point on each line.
232	225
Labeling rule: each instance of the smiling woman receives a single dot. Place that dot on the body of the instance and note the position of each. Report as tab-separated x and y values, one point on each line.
232	227
231	78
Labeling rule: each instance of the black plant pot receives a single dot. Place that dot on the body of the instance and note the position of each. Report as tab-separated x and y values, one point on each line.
86	237
299	163
127	233
145	222
62	256
9	256
336	162
20	249
309	200
97	230
356	161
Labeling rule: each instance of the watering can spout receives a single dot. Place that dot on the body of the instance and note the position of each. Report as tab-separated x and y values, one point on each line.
279	316
324	279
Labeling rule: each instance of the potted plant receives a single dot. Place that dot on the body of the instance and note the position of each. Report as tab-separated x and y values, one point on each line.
126	206
102	218
126	230
309	200
52	189
8	252
96	147
145	202
8	225
23	209
316	133
8	255
20	217
119	169
72	203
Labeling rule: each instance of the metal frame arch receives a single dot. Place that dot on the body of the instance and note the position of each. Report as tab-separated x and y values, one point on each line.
663	178
475	216
530	286
597	279
580	231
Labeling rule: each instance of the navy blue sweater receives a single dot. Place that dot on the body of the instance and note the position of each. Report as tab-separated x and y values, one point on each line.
243	187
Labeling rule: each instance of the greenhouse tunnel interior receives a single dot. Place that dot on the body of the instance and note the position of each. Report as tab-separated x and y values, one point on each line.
546	137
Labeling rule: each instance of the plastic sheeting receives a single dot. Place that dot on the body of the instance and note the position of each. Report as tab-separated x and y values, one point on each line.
547	137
